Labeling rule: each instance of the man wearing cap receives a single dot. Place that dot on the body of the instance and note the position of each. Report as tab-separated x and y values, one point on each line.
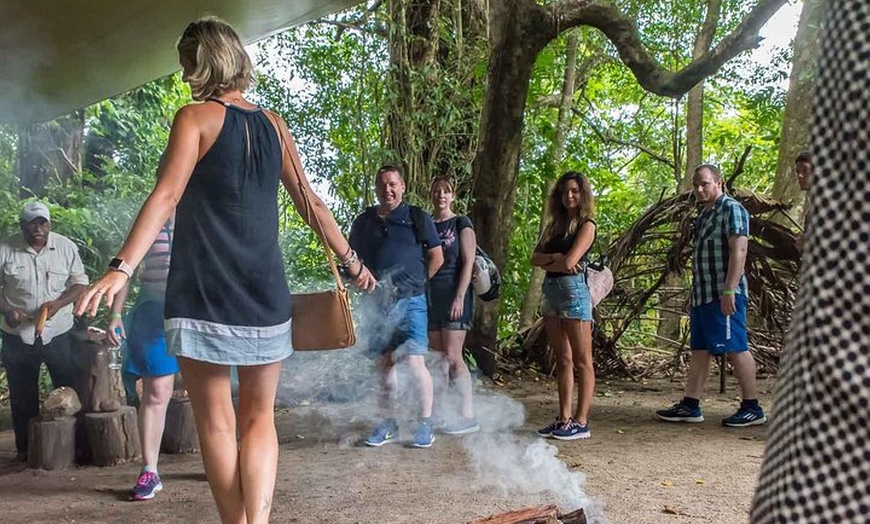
38	269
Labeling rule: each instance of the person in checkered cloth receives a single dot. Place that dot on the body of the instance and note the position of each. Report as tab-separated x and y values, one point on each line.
718	307
816	464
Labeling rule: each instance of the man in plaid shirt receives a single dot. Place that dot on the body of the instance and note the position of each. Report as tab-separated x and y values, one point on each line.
718	307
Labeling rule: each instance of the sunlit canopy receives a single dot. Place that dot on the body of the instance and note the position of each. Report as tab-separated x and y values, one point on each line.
56	57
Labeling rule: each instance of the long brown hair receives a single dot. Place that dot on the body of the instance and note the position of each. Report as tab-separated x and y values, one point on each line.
559	222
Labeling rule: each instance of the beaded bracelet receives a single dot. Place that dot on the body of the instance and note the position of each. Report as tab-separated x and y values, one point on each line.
347	263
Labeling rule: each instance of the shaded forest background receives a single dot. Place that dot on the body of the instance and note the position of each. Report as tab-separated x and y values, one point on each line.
502	96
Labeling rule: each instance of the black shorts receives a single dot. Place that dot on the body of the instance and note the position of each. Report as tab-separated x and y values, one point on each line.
440	299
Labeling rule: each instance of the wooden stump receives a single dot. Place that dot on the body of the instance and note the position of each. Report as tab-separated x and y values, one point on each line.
113	436
51	443
100	389
179	435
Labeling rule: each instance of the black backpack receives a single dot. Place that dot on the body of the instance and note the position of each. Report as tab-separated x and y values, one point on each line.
485	279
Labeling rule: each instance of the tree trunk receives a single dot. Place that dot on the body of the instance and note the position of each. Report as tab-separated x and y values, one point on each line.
533	292
179	435
798	105
412	48
113	437
695	101
100	389
669	323
51	442
50	150
515	42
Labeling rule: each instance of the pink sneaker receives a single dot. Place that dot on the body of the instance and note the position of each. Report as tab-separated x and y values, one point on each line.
146	487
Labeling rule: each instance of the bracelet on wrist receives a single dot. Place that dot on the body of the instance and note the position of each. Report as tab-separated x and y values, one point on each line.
729	292
350	260
358	273
345	271
116	316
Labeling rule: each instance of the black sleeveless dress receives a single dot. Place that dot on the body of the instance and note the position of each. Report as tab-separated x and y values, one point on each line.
227	300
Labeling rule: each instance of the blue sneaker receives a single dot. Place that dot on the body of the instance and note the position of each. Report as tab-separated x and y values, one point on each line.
547	431
424	436
146	487
463	426
680	412
745	416
571	430
387	431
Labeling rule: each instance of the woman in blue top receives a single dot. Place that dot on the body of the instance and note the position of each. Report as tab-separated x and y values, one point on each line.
561	252
451	305
229	303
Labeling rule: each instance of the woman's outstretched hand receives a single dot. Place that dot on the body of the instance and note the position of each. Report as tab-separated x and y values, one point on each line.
106	287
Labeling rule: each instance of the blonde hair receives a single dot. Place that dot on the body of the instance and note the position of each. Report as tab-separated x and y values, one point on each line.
219	62
559	222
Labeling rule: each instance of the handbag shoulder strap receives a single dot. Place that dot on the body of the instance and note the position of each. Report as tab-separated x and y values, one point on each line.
307	200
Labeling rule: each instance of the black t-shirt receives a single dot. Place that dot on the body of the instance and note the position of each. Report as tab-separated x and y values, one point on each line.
449	231
562	244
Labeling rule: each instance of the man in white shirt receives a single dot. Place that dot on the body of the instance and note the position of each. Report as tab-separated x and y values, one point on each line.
38	269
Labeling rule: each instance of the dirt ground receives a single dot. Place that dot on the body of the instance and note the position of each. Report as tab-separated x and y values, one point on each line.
634	469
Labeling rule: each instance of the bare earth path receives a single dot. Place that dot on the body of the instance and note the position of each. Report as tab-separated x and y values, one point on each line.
638	470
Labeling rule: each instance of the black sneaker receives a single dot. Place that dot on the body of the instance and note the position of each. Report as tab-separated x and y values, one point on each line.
680	412
571	430
547	431
744	417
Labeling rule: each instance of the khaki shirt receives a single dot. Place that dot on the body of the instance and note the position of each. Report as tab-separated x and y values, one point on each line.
29	279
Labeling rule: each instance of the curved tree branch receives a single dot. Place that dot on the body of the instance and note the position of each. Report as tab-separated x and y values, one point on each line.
623	33
608	137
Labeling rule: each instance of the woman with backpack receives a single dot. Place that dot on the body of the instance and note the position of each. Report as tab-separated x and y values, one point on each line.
562	253
451	304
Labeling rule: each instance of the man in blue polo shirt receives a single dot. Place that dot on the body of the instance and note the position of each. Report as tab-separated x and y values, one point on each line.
402	248
718	308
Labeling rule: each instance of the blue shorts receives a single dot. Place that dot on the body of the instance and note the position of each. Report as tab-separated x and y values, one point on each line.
145	353
716	333
401	325
567	296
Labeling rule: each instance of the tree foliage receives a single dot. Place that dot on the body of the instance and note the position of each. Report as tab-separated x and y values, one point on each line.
333	81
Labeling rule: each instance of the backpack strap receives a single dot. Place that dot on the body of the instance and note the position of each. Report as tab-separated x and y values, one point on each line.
418	222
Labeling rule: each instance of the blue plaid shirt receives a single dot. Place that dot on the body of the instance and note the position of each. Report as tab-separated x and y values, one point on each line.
710	265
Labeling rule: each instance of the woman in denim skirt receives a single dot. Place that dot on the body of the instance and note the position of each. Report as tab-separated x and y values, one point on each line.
561	252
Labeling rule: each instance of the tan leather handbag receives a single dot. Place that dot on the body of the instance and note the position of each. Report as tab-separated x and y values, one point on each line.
321	320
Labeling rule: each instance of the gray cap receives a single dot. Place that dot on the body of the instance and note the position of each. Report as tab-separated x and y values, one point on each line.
34	210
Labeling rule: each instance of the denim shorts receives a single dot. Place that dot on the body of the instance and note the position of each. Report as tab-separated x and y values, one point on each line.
401	327
567	296
712	331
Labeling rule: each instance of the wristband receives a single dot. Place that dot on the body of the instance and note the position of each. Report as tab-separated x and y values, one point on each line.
119	265
117	316
729	292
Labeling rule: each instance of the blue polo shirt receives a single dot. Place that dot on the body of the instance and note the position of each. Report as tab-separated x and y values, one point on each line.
390	250
712	229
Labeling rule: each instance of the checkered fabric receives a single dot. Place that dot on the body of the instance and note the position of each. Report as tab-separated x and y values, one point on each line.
817	463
